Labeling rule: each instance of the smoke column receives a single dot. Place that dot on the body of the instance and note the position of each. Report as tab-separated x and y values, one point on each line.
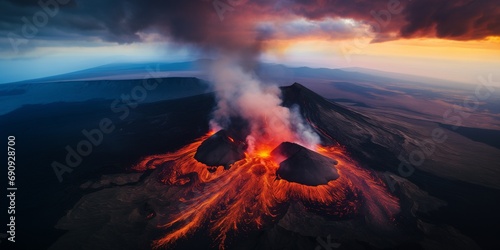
242	95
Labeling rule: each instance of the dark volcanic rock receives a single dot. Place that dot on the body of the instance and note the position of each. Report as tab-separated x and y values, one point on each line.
304	166
370	140
220	150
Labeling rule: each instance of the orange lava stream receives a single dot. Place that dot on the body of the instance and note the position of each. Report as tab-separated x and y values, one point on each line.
249	196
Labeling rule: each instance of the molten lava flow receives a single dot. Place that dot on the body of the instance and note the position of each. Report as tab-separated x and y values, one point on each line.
249	196
263	152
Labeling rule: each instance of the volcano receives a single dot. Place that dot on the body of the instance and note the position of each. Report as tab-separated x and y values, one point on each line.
248	188
220	150
285	195
304	166
296	163
370	141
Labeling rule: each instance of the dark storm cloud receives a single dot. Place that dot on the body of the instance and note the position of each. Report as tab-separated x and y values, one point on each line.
194	22
198	22
463	20
459	19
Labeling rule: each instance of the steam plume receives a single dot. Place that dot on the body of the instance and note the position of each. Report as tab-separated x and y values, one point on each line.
242	95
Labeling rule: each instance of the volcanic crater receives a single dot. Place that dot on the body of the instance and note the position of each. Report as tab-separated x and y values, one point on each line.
296	163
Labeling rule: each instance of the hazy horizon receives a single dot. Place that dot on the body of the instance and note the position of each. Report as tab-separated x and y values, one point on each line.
72	69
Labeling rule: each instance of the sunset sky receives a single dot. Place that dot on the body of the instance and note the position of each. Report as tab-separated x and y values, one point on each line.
454	40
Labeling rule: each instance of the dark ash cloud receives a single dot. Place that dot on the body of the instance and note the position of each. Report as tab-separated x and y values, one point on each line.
198	23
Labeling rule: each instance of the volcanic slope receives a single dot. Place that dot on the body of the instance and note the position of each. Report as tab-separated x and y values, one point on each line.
386	143
369	141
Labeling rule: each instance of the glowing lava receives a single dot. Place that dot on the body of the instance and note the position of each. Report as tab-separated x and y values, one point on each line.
263	153
249	196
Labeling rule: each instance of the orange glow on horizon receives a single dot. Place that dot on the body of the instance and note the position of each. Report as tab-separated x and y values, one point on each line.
477	50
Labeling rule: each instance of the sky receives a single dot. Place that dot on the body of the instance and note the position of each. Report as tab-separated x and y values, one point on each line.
453	40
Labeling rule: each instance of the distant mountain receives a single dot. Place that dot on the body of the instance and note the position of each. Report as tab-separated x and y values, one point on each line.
123	71
406	77
276	72
16	95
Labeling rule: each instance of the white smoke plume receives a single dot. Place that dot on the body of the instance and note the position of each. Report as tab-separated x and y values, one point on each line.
307	136
242	94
